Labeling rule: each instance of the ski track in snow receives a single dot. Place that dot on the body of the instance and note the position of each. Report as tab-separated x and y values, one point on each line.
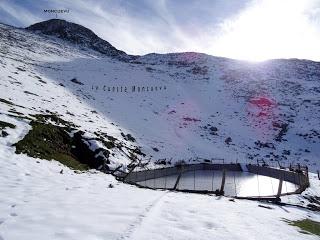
139	224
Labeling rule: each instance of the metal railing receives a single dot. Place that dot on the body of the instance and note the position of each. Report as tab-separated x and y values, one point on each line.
222	179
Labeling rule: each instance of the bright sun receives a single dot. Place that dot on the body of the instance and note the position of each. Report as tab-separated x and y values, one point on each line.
272	29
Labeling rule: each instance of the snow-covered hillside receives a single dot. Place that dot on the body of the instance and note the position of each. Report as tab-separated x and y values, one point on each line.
37	202
207	107
76	91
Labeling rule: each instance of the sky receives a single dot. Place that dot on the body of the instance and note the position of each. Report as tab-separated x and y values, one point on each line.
251	30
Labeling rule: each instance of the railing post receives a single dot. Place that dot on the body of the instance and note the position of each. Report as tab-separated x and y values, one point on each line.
154	178
285	179
125	177
194	179
223	181
258	182
234	181
212	180
165	179
178	179
145	178
279	189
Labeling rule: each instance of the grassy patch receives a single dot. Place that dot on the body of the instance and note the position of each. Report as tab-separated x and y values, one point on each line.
19	117
43	118
74	80
48	141
307	226
6	102
9	103
6	124
50	138
70	161
128	137
15	112
111	143
30	93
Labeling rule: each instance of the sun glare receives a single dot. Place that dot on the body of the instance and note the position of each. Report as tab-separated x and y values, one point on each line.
270	29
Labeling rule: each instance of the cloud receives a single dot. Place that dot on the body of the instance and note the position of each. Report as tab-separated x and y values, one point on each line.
272	29
245	29
15	14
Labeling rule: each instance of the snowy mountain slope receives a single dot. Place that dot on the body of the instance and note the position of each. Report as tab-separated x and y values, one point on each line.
207	107
79	35
35	195
254	110
72	206
33	95
81	206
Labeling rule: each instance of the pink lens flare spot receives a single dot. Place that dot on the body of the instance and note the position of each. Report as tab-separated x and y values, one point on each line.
262	112
262	102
